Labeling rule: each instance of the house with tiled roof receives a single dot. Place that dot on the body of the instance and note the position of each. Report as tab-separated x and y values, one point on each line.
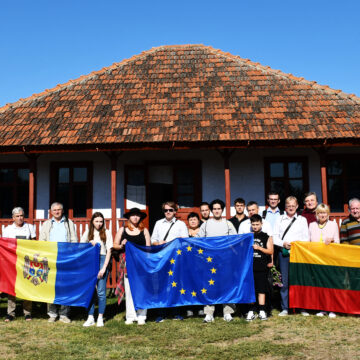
188	123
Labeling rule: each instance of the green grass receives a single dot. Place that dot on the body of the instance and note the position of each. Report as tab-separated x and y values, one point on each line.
294	337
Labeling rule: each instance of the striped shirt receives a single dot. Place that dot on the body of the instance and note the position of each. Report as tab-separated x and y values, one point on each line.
350	231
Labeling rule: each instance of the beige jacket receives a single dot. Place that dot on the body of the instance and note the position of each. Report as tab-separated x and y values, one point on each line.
70	229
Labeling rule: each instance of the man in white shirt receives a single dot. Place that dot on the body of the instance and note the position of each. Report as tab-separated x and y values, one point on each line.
168	228
245	227
217	226
19	229
288	228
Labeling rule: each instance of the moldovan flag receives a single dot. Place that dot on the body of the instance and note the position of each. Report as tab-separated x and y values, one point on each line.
325	277
59	273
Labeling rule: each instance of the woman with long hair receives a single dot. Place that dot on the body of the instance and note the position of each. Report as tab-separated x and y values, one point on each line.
98	234
135	232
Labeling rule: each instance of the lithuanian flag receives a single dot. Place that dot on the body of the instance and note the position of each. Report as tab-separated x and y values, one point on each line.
51	272
325	277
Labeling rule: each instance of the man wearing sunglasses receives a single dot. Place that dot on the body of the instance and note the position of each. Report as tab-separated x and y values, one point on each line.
168	228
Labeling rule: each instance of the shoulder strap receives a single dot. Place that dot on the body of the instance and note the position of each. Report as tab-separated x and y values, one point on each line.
167	234
288	228
264	214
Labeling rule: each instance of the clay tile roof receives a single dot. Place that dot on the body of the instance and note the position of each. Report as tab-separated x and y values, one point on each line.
181	94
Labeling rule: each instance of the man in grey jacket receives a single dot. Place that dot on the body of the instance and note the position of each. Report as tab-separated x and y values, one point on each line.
58	229
217	226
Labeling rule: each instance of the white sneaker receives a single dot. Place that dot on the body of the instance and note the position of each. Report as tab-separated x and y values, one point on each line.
64	319
208	319
321	313
262	315
100	322
89	322
332	315
304	313
141	321
228	317
284	313
52	319
129	321
201	312
251	316
189	313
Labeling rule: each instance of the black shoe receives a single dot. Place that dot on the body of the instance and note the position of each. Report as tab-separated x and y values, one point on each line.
28	317
9	318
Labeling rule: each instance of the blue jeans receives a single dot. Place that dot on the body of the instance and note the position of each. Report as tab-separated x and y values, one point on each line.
100	290
284	291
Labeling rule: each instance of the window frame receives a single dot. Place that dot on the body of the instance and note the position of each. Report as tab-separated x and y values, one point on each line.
19	165
54	166
284	159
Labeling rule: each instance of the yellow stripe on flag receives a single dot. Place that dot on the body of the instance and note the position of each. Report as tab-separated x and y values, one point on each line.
36	270
321	254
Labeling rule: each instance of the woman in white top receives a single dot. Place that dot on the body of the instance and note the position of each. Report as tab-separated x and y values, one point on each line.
97	234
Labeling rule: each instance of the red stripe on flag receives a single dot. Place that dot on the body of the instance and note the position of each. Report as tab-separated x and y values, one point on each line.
325	299
8	265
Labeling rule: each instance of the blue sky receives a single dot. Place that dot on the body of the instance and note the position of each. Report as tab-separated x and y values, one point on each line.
48	42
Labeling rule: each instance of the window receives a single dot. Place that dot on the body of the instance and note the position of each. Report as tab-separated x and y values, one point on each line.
14	188
287	176
71	185
343	180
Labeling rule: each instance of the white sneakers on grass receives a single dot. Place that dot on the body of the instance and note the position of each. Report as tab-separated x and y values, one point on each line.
91	321
208	319
251	316
283	313
262	315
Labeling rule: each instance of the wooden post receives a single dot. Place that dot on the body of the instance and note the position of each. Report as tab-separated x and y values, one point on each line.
226	154
324	189
32	186
113	158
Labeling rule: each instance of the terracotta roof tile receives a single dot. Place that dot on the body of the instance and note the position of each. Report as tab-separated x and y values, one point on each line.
185	93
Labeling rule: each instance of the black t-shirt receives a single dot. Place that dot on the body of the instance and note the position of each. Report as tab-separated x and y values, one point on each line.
236	222
260	259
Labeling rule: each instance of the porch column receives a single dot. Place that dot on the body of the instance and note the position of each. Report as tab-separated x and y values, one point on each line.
32	186
324	189
113	159
226	154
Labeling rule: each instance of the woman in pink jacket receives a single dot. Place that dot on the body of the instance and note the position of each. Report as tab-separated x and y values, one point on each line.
326	231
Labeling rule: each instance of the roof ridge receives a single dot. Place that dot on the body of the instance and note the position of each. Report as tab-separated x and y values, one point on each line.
143	54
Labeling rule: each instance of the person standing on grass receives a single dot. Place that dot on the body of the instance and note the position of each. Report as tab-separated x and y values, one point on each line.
58	229
240	216
350	227
310	202
324	231
98	234
204	211
135	232
217	226
19	229
288	228
165	230
263	249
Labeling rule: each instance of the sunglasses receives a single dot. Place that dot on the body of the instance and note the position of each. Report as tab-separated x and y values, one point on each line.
168	210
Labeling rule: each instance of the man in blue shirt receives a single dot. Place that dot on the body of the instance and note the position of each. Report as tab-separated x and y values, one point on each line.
272	213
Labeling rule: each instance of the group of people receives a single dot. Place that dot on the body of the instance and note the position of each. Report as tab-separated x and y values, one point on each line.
274	231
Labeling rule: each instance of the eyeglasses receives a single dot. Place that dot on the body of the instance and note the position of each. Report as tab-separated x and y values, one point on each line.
168	210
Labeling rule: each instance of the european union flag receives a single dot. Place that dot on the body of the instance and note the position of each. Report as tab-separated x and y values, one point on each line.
192	271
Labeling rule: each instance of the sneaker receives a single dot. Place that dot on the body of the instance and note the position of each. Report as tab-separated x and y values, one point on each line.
332	315
201	312
189	313
178	317
262	315
141	321
159	319
251	316
64	319
208	319
304	313
284	313
9	318
52	319
100	322
321	313
28	317
228	317
89	322
129	321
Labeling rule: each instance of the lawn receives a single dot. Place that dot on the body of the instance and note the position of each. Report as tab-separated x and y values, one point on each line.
294	337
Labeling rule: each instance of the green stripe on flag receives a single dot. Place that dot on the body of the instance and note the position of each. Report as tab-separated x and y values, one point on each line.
332	277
